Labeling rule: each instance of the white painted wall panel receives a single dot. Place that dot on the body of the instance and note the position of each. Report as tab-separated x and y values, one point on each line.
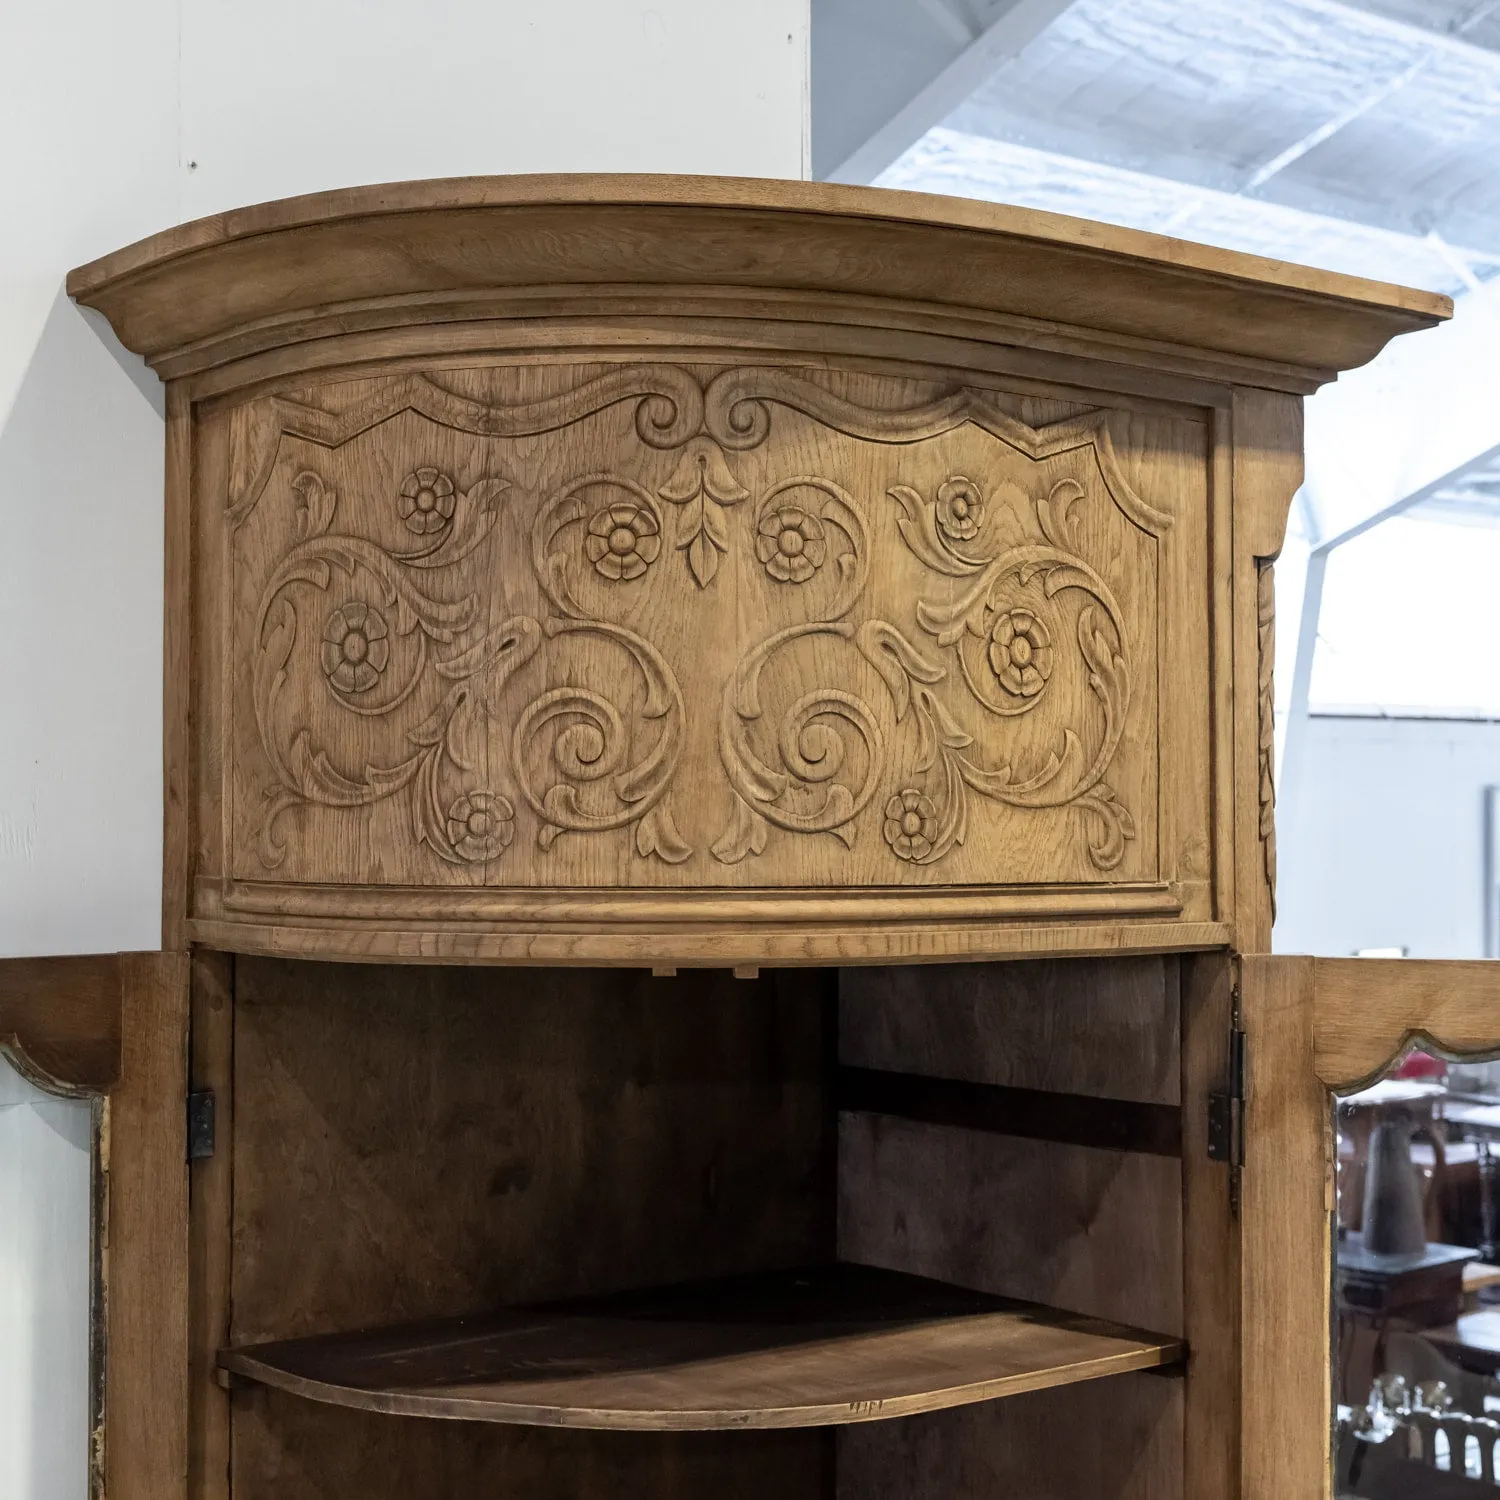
1387	851
45	1196
293	96
120	119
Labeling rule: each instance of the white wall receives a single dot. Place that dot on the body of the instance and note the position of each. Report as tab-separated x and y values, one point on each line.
45	1197
1388	849
120	119
117	120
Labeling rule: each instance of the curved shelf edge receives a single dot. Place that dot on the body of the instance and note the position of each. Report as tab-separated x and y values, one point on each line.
824	1347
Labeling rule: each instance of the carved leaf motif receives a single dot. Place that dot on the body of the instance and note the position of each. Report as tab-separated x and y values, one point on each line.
897	661
1116	826
1055	513
745	835
702	484
657	834
1266	705
918	527
315	510
702	556
590	757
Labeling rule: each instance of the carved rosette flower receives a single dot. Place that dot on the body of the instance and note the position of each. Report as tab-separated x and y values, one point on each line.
960	509
355	647
426	501
622	540
791	543
1021	653
910	824
481	826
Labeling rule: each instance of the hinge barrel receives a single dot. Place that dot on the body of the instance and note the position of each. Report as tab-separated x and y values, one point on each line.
200	1124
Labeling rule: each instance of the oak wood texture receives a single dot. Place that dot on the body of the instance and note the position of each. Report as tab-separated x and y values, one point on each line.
682	571
306	1450
1369	1011
210	1228
821	1346
240	281
145	1253
416	1143
60	1020
1211	1265
1036	1114
1314	1026
114	1027
1287	1271
1104	1440
1075	1026
1098	1231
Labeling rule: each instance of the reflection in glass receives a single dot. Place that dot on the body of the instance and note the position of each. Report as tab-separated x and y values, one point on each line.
46	1197
1416	1304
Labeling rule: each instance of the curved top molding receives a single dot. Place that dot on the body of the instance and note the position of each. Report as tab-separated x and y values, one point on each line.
367	258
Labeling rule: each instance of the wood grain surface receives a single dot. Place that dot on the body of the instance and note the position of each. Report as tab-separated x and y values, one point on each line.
290	1449
145	1278
412	1144
822	1346
1368	1011
1286	1249
1102	1440
1077	1026
292	263
60	1020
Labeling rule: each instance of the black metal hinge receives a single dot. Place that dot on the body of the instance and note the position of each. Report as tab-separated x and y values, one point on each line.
200	1125
1226	1115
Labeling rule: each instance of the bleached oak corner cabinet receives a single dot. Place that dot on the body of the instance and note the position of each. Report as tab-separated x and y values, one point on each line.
826	636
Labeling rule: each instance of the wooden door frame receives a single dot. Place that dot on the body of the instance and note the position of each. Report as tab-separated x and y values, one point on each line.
1314	1027
113	1028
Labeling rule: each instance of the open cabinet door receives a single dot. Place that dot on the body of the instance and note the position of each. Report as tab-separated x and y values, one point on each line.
1314	1027
113	1028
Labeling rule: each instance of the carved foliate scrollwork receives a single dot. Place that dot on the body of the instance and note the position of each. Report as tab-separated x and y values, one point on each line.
1265	615
595	745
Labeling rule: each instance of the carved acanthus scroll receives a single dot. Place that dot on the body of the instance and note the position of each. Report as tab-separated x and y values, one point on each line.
1265	619
597	745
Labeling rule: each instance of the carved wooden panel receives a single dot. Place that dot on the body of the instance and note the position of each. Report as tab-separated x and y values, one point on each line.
683	627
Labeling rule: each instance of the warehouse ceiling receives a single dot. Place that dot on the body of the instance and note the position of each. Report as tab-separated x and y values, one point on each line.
1359	137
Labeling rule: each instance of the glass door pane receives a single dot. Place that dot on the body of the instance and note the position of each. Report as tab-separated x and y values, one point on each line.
1416	1288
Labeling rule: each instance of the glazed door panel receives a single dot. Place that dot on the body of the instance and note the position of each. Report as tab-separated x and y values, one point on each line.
1314	1028
879	646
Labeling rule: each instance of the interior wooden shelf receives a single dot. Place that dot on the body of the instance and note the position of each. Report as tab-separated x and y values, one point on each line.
808	1348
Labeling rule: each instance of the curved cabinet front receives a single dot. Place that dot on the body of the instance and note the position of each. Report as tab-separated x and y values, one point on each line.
689	661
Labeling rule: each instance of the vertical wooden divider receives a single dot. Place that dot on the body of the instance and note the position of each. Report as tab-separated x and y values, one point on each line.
211	1181
147	1247
1210	1235
1286	1248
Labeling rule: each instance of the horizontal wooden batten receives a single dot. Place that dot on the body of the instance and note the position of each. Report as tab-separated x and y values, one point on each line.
1035	1114
825	1346
692	907
645	945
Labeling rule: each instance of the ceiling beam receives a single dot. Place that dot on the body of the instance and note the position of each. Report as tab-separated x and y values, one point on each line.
1000	41
1374	18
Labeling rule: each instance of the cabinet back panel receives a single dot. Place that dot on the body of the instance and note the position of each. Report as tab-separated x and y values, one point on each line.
1093	1230
290	1449
1079	1026
421	1142
1118	1439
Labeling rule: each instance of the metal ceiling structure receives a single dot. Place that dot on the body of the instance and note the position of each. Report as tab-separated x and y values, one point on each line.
1357	135
1361	137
